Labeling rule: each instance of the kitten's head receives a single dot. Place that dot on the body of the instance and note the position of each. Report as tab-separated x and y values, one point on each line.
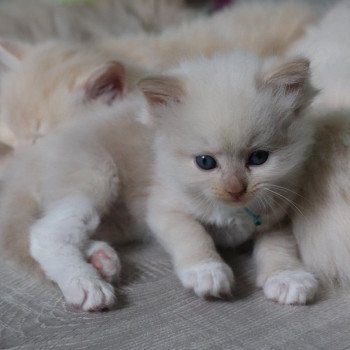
231	128
44	85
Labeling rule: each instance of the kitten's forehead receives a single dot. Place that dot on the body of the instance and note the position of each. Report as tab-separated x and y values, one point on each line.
224	108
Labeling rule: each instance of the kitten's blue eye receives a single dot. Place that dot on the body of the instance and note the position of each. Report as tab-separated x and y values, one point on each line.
258	157
206	162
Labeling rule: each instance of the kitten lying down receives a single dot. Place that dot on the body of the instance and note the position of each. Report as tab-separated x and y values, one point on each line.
322	225
265	29
218	162
44	86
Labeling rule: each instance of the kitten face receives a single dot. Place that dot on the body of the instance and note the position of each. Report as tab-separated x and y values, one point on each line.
235	132
46	85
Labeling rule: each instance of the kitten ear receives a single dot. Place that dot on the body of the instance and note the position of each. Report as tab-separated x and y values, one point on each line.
12	52
162	90
105	83
289	79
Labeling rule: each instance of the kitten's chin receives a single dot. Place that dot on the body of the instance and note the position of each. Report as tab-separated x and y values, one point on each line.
239	202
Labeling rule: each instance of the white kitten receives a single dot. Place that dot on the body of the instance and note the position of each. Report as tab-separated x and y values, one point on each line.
230	144
322	225
327	45
230	149
265	29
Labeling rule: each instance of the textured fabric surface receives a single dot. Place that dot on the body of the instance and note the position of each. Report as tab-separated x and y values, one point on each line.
155	312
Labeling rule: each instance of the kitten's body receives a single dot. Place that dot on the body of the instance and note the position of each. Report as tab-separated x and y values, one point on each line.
322	225
327	45
265	29
41	85
197	108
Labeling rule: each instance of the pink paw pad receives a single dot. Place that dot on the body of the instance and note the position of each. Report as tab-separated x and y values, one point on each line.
105	260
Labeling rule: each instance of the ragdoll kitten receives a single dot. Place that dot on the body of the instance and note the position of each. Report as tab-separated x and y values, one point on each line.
262	28
45	86
227	138
322	224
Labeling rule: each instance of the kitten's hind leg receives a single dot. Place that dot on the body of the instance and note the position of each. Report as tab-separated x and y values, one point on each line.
279	270
58	241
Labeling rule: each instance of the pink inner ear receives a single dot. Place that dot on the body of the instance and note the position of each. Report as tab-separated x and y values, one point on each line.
106	83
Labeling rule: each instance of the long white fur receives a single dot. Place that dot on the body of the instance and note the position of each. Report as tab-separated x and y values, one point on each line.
327	45
217	116
322	225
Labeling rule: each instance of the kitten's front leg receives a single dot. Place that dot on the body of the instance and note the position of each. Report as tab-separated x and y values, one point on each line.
196	261
279	270
59	242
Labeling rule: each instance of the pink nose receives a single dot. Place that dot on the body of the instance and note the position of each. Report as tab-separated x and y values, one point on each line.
236	190
237	196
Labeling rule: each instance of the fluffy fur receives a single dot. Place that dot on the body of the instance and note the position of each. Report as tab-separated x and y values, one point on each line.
327	45
38	20
321	224
212	113
262	28
44	86
227	107
265	28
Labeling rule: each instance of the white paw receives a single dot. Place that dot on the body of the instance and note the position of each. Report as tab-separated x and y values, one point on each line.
208	279
88	294
291	287
104	259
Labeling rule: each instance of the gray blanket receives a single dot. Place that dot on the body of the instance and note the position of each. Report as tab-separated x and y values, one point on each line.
155	312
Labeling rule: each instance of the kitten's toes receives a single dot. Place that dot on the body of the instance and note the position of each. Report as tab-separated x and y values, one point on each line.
89	294
104	259
208	279
291	287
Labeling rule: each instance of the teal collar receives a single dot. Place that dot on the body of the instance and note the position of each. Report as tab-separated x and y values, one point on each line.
254	217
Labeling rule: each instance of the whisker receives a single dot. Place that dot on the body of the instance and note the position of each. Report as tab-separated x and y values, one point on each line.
287	199
286	189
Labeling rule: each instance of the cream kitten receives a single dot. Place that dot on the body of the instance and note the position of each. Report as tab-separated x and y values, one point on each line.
262	28
322	225
44	86
229	134
59	175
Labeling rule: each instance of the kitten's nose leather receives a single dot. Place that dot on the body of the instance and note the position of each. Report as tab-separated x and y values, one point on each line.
237	191
237	196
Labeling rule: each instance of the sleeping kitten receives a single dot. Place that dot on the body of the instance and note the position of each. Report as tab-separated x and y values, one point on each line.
46	85
262	28
229	134
322	224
